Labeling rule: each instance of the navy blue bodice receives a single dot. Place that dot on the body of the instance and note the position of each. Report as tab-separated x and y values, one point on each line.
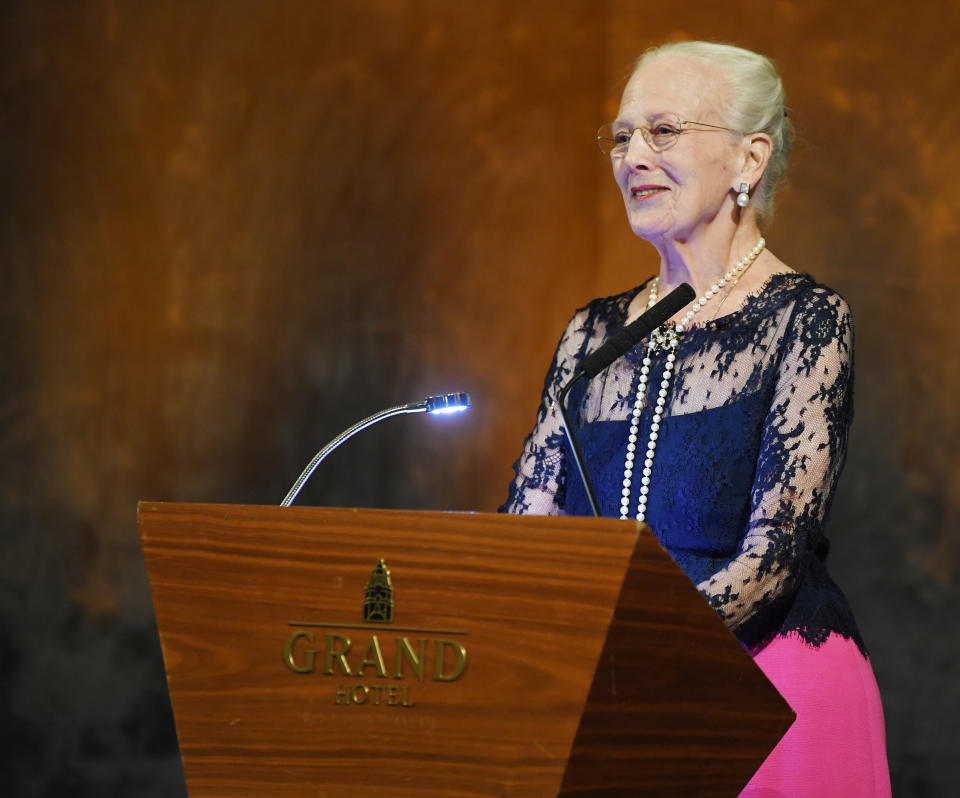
747	456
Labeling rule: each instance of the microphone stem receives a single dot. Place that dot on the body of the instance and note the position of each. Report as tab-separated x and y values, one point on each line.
413	407
574	448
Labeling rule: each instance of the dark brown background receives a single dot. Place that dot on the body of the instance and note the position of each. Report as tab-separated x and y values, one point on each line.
229	230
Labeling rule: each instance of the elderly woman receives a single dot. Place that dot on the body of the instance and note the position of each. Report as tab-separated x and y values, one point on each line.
725	430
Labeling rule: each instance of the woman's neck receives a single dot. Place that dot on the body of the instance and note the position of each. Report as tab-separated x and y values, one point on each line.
702	261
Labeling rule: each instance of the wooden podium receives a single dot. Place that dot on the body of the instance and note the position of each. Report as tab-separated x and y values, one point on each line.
522	656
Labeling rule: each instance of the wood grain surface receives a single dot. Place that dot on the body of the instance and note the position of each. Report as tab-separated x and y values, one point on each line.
677	707
529	599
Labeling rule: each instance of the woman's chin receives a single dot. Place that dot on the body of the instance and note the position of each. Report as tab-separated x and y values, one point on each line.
649	229
648	222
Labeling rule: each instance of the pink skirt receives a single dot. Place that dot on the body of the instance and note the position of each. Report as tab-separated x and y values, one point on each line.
836	748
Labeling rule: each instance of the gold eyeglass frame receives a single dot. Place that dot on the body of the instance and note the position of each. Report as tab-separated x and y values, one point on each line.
609	146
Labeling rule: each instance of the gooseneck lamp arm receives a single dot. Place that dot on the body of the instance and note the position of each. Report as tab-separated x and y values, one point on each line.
434	405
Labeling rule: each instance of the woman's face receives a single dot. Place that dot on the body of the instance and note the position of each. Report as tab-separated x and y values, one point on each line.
677	193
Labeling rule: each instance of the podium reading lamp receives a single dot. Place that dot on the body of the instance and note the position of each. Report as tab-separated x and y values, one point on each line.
445	403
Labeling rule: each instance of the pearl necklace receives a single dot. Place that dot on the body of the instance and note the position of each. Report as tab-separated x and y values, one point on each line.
666	337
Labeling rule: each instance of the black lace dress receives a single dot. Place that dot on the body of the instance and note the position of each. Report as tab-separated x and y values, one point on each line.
748	455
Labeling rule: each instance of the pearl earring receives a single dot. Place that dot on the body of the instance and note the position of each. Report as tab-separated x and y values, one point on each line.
744	196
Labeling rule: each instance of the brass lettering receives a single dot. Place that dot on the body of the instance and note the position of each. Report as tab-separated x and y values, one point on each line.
373	656
405	652
301	650
310	653
360	693
460	653
339	654
393	695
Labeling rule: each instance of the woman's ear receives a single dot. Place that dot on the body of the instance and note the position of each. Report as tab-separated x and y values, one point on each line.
755	155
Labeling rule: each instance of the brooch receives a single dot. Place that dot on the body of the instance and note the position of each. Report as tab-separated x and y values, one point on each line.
665	337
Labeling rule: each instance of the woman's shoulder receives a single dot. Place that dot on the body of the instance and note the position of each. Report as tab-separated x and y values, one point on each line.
801	293
819	320
806	287
611	311
593	323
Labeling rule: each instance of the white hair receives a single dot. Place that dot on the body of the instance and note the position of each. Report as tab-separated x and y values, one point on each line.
756	103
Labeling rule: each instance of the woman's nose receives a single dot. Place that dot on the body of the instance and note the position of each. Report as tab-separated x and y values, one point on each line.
639	152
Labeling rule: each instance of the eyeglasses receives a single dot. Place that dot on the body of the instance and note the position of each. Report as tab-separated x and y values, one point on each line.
614	140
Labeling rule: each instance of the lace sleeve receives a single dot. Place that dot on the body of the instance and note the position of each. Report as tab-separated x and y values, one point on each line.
803	448
539	487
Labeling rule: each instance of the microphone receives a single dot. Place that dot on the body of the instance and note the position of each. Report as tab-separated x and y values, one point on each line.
610	350
434	405
630	335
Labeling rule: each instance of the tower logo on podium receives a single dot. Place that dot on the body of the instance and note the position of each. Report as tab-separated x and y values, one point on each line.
378	596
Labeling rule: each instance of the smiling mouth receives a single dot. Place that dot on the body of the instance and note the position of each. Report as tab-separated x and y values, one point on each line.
643	192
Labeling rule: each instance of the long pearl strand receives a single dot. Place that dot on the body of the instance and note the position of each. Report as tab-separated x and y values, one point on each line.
667	338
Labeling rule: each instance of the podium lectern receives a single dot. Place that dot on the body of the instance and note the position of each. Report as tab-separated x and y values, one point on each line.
339	652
